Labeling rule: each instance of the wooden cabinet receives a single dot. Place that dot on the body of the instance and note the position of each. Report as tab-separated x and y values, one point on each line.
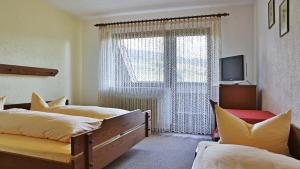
238	97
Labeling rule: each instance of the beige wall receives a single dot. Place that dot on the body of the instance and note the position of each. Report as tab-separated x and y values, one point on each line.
33	33
237	38
278	61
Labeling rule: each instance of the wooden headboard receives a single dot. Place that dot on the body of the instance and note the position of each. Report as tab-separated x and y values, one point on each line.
23	105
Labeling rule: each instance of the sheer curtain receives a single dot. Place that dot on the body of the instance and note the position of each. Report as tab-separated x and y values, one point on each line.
169	67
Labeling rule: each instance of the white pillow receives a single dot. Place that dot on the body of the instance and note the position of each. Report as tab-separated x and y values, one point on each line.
39	104
2	102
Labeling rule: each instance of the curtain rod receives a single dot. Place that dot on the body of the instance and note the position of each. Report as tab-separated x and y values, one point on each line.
163	19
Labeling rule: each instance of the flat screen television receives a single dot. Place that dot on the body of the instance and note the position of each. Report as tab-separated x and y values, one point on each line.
232	68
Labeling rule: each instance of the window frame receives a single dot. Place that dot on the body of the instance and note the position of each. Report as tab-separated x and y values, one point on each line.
169	57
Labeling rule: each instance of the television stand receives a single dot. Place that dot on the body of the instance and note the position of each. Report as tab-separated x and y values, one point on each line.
238	96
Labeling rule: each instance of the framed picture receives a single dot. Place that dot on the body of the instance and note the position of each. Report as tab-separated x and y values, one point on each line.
271	13
284	23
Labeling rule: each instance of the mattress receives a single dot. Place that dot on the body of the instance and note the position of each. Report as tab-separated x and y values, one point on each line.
35	147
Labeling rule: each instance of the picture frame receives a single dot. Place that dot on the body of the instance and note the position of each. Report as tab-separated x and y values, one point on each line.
284	18
271	13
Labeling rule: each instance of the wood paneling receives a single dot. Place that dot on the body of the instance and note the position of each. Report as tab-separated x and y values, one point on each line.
25	70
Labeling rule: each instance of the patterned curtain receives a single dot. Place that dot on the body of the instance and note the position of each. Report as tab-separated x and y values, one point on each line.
169	67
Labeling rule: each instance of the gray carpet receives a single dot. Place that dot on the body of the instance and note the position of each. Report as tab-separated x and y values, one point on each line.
160	152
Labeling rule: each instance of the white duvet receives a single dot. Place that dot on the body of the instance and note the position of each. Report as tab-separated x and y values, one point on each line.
225	156
57	127
87	111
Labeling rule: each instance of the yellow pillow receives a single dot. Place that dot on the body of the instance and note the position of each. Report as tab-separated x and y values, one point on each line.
2	102
38	104
271	134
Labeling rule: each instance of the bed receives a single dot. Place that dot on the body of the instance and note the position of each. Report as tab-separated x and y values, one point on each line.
90	150
211	155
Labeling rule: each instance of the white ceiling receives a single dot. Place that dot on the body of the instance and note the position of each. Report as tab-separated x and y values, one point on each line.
98	8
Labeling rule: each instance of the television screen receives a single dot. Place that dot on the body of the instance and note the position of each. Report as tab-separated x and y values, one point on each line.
232	68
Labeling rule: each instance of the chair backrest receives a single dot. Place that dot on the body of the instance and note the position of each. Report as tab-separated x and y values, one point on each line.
213	104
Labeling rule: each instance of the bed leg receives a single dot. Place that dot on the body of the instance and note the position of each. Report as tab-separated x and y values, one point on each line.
89	151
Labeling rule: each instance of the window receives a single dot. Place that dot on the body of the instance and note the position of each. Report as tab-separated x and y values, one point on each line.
146	62
169	67
191	53
175	67
144	58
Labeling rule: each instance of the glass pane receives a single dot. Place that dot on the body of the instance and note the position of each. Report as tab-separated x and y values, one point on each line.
191	59
143	58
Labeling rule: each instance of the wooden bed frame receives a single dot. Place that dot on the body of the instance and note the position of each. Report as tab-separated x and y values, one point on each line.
90	150
294	142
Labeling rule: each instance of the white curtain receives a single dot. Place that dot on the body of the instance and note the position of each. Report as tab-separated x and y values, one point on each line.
169	67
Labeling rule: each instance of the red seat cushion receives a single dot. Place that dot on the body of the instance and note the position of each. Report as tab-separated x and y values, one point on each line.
251	116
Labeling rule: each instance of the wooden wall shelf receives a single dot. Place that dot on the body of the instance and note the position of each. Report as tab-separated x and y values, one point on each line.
25	70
